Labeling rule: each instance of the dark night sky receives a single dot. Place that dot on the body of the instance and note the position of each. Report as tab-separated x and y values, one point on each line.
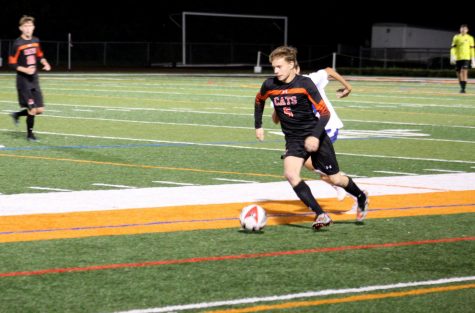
327	24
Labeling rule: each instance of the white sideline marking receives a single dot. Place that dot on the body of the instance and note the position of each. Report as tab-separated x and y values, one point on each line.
120	110
157	197
147	122
173	183
236	180
408	123
83	110
181	110
242	147
407	104
115	186
398	173
354	175
442	171
50	189
307	294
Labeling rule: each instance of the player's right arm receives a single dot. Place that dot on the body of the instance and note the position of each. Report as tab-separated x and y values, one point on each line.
453	51
259	105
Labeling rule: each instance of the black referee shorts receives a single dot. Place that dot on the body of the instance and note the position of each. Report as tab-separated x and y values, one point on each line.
462	64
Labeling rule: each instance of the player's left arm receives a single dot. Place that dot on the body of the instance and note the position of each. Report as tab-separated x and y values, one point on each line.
43	61
472	51
45	64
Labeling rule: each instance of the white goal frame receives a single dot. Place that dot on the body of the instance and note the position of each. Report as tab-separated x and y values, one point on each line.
186	13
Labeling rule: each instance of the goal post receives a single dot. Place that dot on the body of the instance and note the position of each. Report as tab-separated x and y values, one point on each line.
185	14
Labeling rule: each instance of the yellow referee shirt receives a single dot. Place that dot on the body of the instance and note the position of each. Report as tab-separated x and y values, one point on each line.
463	47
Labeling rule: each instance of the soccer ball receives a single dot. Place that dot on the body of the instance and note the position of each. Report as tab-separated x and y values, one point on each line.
253	217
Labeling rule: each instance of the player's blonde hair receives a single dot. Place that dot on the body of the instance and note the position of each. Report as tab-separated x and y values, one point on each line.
287	52
25	19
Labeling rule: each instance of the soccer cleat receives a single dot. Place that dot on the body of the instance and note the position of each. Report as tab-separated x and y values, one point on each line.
340	193
15	118
362	208
321	221
462	90
31	137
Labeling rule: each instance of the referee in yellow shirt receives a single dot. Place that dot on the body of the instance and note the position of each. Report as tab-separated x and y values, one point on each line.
462	51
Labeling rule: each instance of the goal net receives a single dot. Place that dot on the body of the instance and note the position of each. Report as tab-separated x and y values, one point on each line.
229	39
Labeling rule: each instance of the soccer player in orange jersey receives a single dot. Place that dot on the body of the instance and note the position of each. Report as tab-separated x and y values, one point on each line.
24	57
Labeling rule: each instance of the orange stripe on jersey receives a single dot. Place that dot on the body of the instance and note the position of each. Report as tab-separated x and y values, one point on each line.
260	97
14	59
39	52
321	107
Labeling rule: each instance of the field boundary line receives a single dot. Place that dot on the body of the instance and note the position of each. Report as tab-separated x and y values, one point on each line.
231	257
308	294
357	298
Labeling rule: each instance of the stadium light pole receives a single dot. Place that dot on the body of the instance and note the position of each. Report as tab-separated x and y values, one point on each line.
185	13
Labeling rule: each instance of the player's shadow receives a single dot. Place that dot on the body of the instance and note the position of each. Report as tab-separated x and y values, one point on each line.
300	215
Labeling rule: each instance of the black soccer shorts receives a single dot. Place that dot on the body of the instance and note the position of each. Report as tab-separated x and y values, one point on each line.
30	98
323	160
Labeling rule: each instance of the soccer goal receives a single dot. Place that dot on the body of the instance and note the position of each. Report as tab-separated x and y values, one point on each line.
229	39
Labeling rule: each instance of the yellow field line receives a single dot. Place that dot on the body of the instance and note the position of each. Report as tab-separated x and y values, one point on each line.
366	297
136	165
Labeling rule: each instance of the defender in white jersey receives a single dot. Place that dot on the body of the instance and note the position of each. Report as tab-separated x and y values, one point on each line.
320	79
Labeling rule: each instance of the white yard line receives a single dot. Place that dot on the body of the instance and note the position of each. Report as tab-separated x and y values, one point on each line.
101	200
114	186
244	147
442	171
173	183
147	122
397	173
183	110
301	295
180	110
236	180
49	189
406	104
408	123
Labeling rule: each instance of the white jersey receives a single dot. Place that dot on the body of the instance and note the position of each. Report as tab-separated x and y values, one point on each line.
320	79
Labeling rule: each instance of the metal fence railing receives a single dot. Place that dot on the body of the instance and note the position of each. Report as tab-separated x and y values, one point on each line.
147	54
169	54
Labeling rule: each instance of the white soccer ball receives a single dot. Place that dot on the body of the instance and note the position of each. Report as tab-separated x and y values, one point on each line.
253	217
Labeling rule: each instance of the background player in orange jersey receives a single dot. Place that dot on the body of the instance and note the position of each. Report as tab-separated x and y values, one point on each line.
24	57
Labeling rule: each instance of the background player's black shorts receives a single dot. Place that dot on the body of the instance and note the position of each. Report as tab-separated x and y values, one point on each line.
323	160
462	64
30	98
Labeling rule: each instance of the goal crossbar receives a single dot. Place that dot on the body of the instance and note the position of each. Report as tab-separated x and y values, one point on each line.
186	13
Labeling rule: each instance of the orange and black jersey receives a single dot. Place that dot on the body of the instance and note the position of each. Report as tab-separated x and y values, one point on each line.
25	53
301	109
